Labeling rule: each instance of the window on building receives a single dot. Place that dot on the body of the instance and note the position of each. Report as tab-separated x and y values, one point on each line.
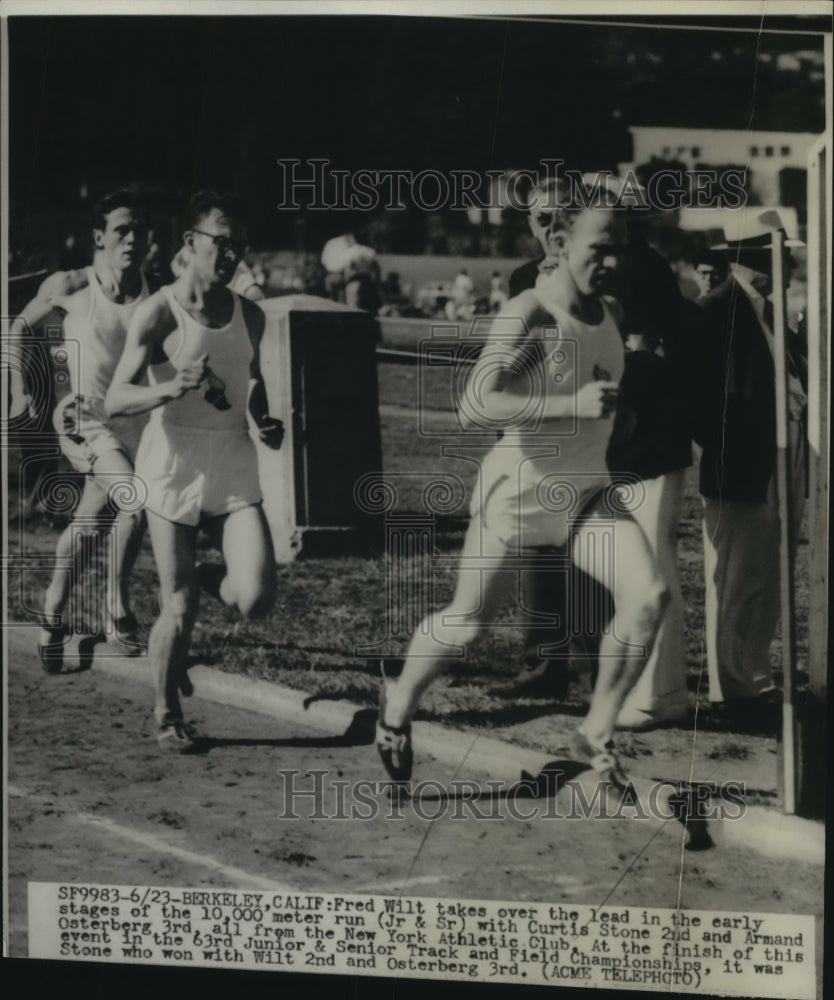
768	150
696	151
667	152
754	150
786	151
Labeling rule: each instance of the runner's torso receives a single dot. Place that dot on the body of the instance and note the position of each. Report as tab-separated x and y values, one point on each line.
574	353
230	353
94	339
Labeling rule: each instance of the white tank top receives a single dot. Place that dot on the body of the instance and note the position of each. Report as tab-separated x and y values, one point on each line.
230	353
95	342
575	353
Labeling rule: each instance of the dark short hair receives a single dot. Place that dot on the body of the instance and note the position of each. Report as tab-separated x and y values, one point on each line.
201	203
116	199
713	258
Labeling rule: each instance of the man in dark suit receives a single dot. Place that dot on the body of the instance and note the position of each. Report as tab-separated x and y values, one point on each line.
737	431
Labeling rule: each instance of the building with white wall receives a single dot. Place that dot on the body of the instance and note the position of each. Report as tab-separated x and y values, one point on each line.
765	155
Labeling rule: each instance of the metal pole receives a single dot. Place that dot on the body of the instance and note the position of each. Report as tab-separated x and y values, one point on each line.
783	472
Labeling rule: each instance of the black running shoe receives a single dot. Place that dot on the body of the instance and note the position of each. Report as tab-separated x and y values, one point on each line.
175	736
394	745
51	652
603	760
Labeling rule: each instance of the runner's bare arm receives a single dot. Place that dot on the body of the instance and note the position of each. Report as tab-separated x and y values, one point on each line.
151	324
494	391
503	380
270	429
54	293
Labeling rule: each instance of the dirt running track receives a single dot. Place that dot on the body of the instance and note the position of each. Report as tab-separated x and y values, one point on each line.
92	799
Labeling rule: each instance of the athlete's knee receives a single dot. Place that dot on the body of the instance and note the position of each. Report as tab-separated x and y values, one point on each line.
130	521
179	609
652	605
255	598
124	491
256	604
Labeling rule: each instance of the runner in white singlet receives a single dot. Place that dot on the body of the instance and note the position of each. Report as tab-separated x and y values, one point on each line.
548	379
199	342
216	469
98	303
94	341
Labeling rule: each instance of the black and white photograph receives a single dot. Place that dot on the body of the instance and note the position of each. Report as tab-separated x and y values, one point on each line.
415	435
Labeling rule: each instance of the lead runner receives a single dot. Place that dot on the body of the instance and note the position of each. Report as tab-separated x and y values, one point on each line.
511	515
200	344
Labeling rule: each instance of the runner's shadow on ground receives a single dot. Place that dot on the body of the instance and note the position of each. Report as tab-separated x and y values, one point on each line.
361	732
505	715
683	806
79	656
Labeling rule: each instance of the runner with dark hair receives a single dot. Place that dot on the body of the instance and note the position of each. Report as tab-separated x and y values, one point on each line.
199	343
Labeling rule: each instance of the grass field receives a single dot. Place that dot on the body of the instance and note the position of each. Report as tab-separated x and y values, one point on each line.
327	608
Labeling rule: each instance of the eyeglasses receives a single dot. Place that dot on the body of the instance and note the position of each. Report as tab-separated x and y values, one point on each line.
225	244
545	219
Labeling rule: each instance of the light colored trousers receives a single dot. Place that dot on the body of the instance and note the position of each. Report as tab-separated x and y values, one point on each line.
662	685
741	563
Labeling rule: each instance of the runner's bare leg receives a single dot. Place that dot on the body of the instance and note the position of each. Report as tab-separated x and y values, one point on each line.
480	591
640	598
249	584
174	551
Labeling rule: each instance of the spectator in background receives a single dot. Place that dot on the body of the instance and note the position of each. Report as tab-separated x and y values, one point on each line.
335	257
463	287
711	269
652	443
313	275
737	432
361	280
390	287
461	305
497	292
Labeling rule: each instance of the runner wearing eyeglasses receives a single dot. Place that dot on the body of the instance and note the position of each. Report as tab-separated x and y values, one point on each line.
199	343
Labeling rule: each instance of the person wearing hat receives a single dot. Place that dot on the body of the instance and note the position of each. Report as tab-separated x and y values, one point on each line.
710	269
737	432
